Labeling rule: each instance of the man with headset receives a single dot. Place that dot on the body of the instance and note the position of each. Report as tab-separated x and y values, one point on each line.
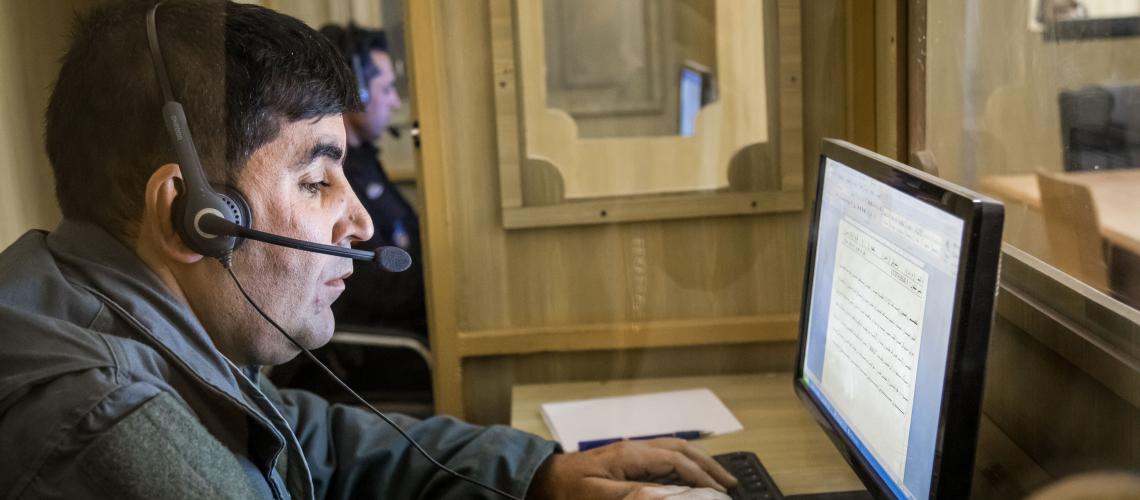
133	331
373	297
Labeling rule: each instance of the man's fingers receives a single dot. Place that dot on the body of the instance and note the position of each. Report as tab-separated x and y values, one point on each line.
685	467
659	492
610	489
710	465
702	459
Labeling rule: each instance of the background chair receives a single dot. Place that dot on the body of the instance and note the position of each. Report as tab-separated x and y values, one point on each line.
1100	127
388	367
1075	242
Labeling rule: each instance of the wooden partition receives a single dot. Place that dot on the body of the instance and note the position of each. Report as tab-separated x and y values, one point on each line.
317	13
707	295
745	152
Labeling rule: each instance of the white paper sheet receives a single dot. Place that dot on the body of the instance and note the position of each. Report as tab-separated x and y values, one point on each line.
644	414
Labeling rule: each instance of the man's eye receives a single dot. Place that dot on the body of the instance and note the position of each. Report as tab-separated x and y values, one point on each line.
314	187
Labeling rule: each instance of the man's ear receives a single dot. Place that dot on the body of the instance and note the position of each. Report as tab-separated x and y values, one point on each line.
158	221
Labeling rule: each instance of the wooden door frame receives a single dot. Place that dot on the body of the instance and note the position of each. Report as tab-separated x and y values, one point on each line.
428	98
879	66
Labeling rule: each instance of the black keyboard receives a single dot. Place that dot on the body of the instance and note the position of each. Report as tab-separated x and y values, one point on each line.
755	483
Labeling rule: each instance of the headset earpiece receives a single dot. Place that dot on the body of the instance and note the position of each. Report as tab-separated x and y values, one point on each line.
351	46
361	84
224	201
196	198
239	207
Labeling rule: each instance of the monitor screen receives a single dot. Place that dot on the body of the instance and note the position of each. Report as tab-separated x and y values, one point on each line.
885	281
692	84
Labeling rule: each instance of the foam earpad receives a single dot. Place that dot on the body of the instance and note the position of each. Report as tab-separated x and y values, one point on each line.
238	208
225	201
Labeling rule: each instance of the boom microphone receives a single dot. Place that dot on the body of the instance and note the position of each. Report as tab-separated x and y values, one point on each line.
388	258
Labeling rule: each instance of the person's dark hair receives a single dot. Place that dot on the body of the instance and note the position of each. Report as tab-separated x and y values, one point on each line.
354	40
240	72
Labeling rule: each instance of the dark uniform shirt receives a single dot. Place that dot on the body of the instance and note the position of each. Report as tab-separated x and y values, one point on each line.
373	296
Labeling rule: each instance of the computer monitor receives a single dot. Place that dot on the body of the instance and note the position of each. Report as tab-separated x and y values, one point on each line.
1100	127
898	299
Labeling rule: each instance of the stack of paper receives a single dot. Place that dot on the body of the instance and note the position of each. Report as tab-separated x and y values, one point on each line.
644	414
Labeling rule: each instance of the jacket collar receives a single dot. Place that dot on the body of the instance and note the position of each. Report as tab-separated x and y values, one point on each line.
94	260
98	260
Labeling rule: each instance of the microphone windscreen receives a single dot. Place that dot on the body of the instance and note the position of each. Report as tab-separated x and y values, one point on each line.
393	259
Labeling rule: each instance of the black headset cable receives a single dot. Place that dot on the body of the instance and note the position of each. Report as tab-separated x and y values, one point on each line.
226	261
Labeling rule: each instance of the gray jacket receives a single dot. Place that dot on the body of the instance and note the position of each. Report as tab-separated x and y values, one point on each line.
110	387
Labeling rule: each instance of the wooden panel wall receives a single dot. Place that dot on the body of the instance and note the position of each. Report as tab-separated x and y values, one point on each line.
1056	413
486	280
33	36
317	13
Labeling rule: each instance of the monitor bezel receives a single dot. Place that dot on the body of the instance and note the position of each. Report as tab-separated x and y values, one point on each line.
960	413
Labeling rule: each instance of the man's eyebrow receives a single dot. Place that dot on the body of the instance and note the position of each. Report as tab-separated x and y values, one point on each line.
322	149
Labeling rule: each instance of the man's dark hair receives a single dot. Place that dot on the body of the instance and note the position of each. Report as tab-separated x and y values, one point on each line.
240	71
353	40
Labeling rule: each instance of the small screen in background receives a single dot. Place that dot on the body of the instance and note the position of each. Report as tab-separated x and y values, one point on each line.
690	92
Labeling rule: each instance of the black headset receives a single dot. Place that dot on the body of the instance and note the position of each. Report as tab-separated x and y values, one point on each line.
197	198
352	47
214	222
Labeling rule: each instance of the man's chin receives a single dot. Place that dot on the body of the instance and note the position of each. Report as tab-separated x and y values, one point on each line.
317	339
284	351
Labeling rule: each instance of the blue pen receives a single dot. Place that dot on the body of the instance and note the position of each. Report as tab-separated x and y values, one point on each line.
688	435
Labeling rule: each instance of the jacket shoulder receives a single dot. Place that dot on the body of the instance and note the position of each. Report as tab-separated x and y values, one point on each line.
134	442
160	450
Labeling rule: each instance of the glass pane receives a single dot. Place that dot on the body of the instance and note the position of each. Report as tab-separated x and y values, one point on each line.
1049	126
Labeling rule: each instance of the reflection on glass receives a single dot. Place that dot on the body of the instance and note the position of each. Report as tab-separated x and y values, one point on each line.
1100	127
1082	19
1052	129
630	68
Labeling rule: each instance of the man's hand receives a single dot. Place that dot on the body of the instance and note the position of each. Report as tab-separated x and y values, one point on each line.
649	492
614	471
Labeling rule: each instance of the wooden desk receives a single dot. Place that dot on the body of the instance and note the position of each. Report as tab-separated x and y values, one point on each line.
1115	192
788	441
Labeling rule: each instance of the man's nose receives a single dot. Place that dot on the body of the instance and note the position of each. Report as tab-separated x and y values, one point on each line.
361	228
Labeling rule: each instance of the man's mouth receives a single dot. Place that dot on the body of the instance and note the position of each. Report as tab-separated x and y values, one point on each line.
337	284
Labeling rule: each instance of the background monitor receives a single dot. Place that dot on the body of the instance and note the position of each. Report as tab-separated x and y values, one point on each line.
898	301
1100	127
696	89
